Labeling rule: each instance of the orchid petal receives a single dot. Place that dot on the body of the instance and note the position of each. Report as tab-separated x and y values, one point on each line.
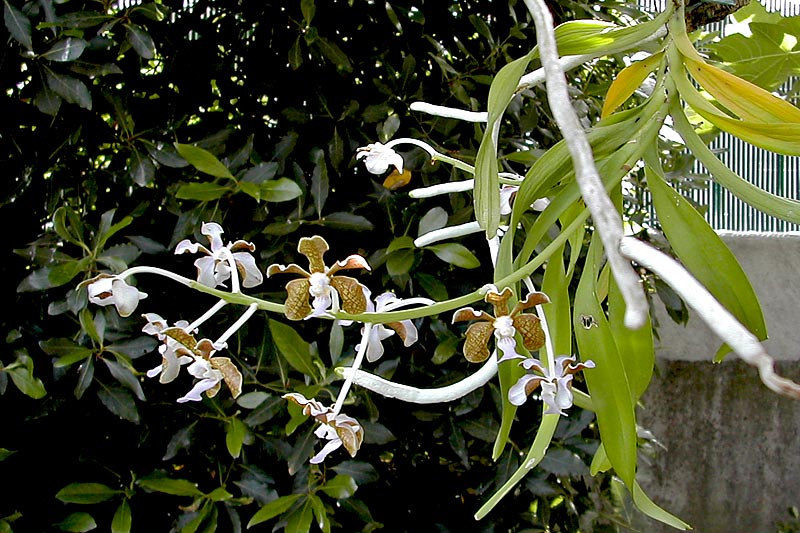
476	348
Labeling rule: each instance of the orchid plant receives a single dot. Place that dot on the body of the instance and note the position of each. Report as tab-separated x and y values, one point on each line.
569	350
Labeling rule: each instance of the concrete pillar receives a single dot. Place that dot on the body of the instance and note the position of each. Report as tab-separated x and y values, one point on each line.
731	461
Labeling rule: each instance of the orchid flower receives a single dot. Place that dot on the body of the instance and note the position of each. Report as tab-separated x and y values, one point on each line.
338	429
405	329
106	289
503	325
215	269
321	283
379	157
171	360
211	371
556	382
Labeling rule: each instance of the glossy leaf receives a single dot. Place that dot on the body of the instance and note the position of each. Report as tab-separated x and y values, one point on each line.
70	89
273	509
339	487
165	485
17	24
203	160
204	192
141	41
293	348
86	493
122	520
77	523
67	49
280	190
235	432
120	402
455	254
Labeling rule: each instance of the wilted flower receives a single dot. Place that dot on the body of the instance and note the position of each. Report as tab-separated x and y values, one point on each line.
106	289
320	283
171	361
338	429
215	269
503	325
556	383
379	157
405	329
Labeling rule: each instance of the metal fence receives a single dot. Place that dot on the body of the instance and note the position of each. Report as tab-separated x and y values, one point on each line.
778	174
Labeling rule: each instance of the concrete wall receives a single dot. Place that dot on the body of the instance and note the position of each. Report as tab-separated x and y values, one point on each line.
731	461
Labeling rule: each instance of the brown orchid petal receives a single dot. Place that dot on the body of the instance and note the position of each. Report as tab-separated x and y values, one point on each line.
310	407
353	261
574	369
291	269
532	300
204	349
242	245
351	434
532	385
499	301
314	249
530	327
468	313
213	390
231	375
183	338
297	306
476	347
400	329
351	294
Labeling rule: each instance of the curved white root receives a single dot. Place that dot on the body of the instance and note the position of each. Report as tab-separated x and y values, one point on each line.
406	393
720	320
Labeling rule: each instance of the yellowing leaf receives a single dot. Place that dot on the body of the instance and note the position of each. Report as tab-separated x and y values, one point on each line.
627	81
746	100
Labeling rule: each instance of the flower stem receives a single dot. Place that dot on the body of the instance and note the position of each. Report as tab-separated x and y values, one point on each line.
362	349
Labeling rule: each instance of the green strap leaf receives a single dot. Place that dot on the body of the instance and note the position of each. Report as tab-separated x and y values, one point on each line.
608	383
703	253
487	182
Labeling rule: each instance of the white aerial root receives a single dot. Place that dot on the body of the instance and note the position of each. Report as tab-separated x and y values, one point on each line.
719	319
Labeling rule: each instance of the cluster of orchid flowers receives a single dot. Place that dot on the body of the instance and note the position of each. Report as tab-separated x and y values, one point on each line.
322	291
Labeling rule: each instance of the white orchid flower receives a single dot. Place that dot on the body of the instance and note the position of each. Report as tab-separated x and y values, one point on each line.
379	157
405	329
106	289
556	383
209	378
215	269
338	429
171	360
